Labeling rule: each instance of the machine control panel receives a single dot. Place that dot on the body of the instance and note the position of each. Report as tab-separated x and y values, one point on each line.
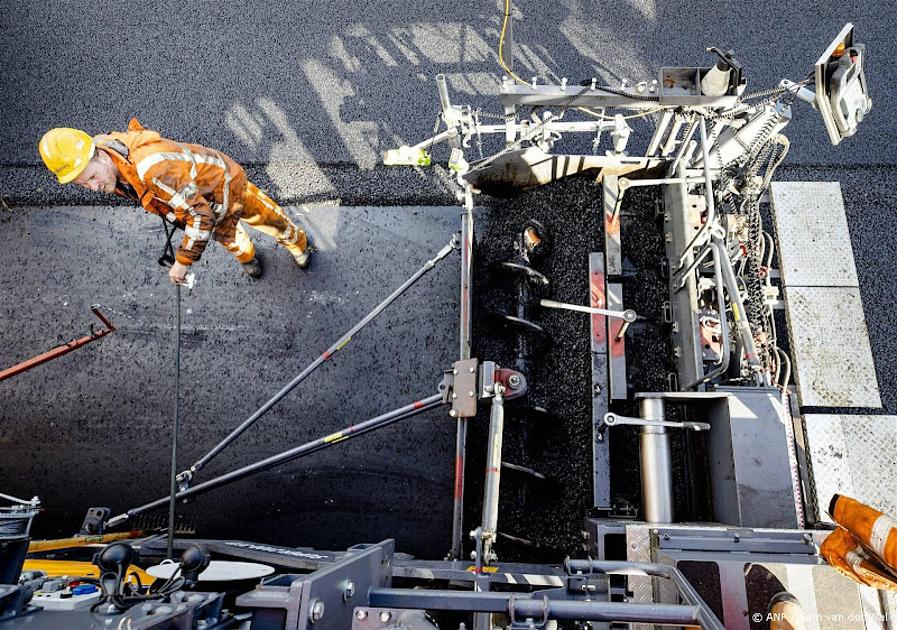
841	94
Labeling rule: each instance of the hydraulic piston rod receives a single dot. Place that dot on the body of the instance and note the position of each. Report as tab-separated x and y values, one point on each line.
656	464
493	474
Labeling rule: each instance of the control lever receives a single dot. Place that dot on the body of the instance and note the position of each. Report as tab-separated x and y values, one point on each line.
655	454
628	316
612	419
167	258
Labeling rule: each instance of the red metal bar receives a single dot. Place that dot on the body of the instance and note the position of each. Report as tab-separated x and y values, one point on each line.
58	351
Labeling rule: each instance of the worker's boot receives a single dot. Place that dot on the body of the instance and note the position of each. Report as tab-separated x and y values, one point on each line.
785	613
304	258
253	268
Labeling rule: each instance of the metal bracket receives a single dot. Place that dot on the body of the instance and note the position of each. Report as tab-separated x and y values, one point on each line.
528	622
462	390
469	382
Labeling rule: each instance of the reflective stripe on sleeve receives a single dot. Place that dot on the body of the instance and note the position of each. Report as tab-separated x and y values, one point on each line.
144	165
176	200
878	537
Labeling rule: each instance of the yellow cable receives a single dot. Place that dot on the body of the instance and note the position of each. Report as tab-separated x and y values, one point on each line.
501	44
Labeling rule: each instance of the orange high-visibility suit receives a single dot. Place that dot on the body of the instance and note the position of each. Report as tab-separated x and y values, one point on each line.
864	548
200	189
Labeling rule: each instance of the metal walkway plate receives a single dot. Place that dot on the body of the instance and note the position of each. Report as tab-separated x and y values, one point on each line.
855	456
814	241
830	346
833	363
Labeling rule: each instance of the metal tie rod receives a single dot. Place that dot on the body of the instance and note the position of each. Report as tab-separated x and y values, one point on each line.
522	606
349	432
186	476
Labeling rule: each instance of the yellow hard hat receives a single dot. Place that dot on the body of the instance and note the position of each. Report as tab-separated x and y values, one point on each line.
66	152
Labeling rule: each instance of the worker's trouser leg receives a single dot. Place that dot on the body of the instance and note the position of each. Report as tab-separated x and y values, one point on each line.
241	247
260	212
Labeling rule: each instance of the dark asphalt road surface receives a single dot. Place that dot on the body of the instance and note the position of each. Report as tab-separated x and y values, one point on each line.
307	96
312	93
94	425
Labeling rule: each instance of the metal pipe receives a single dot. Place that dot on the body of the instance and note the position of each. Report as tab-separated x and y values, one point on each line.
58	351
327	354
507	51
628	315
308	448
522	606
684	147
444	99
694	265
467	238
687	592
465	334
658	182
708	195
656	464
658	133
742	326
173	486
493	472
671	139
431	141
458	506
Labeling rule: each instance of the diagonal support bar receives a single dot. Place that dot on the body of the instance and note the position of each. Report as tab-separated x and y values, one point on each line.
308	448
187	476
60	350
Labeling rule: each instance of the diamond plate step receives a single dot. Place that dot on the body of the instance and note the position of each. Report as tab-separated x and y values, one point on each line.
853	455
833	363
814	240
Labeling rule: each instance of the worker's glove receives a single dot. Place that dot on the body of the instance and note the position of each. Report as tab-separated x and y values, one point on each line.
177	273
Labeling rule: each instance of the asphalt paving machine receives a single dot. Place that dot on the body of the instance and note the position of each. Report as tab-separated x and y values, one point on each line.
712	156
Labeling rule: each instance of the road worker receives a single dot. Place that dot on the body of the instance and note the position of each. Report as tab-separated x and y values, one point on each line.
198	189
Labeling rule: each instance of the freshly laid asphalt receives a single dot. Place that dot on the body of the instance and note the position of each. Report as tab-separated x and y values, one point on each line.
311	94
307	96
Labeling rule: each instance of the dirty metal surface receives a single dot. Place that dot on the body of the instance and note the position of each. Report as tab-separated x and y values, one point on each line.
814	241
855	456
598	334
830	345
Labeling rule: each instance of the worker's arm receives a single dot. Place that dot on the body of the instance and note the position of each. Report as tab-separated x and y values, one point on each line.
179	192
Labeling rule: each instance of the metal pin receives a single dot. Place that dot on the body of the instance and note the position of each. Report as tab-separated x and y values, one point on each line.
622	330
